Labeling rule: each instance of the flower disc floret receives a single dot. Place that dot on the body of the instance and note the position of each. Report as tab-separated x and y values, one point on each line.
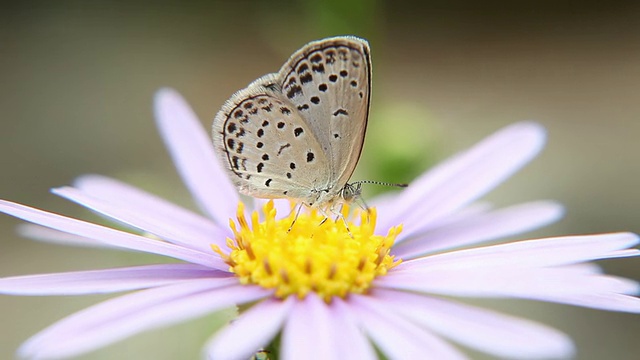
309	253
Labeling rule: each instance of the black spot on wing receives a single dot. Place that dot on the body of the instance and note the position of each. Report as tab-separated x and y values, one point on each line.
340	112
302	68
318	68
306	78
294	91
285	110
282	147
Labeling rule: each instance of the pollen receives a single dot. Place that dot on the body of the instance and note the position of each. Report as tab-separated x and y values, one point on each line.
310	253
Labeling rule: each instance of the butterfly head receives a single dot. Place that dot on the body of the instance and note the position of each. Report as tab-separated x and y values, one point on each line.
351	191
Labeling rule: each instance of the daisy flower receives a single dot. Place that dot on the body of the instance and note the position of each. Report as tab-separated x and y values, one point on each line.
321	289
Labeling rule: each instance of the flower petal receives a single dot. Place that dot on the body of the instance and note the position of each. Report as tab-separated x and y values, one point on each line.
307	333
397	337
118	318
106	281
532	253
467	212
193	154
110	236
351	342
251	331
575	285
482	227
491	332
600	301
136	200
465	177
45	234
143	220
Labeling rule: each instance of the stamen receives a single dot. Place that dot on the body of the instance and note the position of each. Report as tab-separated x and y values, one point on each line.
335	259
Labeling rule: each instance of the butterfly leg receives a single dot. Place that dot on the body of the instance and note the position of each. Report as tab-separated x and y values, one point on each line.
326	216
323	220
363	205
296	217
339	215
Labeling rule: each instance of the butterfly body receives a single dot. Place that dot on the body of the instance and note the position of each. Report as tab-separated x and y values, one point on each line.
298	133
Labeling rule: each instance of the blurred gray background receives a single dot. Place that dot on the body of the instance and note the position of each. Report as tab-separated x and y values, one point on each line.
77	80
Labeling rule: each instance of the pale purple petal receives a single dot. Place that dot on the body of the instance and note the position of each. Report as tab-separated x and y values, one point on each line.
251	331
465	177
623	253
483	227
130	314
382	199
397	337
467	212
143	220
600	301
107	280
576	285
519	282
307	332
531	253
118	193
350	340
110	236
45	234
192	151
484	330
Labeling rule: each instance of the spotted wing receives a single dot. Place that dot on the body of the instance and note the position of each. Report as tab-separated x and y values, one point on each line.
329	82
268	149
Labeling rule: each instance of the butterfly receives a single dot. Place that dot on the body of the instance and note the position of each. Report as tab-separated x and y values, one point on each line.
298	133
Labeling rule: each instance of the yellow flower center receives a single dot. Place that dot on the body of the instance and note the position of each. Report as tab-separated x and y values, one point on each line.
330	257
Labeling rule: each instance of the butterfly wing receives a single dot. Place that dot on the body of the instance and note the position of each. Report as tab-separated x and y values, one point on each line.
269	150
329	82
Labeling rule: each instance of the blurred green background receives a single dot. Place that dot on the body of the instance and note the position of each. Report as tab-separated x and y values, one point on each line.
77	80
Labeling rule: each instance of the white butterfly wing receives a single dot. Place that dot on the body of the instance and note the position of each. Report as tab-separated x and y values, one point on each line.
269	150
329	82
298	133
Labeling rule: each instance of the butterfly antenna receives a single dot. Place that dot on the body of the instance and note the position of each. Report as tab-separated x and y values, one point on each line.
379	183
